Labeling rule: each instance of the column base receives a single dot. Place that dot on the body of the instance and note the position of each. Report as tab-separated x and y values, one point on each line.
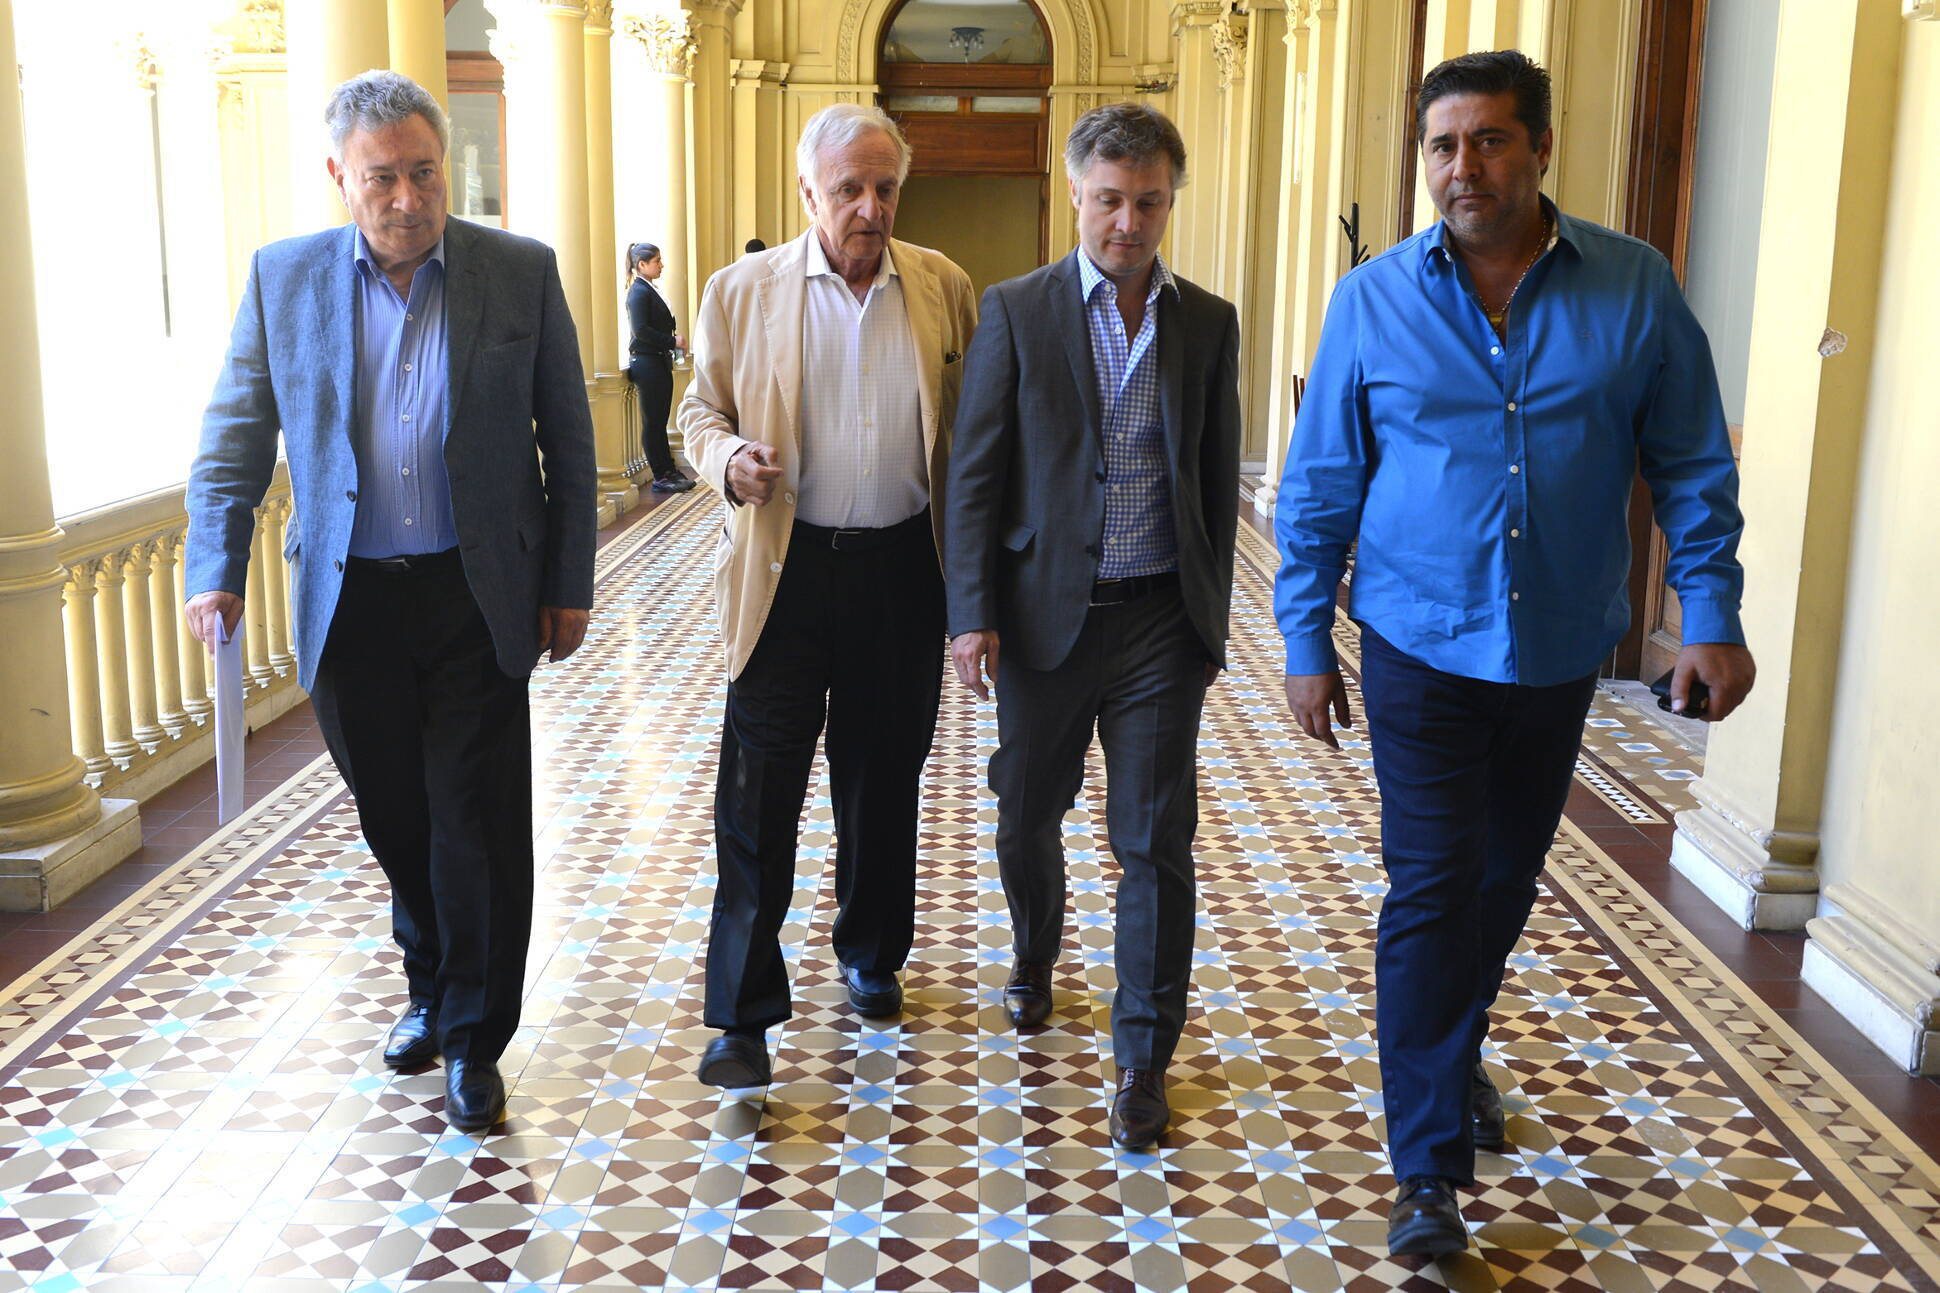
1265	497
1762	879
1880	976
44	877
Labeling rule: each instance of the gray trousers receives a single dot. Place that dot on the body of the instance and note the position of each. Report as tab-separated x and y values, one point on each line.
1138	674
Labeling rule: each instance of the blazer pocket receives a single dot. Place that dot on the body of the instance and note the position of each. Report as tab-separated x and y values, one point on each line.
532	532
1018	538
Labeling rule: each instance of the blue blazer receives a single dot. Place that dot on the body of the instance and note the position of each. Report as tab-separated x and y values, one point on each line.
516	392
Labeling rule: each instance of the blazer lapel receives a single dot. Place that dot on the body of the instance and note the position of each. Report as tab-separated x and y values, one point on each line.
1068	314
464	308
923	303
783	297
1172	373
336	331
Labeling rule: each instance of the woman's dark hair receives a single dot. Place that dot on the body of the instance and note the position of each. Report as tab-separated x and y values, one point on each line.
1501	71
635	253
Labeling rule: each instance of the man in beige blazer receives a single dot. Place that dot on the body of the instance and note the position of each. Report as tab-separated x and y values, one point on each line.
825	380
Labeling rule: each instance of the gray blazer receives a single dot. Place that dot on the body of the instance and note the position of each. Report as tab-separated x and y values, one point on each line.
1026	512
516	392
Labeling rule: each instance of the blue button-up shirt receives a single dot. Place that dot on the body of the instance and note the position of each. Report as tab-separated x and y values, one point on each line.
1488	479
1139	535
403	495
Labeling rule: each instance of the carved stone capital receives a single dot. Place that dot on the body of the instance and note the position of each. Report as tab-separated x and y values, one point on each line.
1229	49
1198	13
599	17
665	35
262	27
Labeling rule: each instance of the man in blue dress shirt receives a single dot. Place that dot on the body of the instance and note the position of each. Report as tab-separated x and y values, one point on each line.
1482	395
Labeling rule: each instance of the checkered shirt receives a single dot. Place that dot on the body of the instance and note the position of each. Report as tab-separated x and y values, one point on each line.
1140	538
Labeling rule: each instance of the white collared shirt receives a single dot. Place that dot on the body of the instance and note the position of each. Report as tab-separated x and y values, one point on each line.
862	422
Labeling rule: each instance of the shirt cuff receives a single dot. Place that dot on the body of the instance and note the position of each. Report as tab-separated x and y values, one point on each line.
1311	655
1706	620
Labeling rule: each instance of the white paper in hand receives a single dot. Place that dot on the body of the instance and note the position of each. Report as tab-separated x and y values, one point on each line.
231	726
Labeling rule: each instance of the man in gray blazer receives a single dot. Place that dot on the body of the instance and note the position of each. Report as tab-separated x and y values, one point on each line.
418	369
1094	491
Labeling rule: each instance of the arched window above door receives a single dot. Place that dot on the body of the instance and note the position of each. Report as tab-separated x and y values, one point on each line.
967	31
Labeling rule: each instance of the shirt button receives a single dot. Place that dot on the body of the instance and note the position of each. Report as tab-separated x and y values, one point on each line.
407	520
407	368
1515	597
787	498
1515	534
405	470
1512	406
774	567
1514	470
409	317
1495	350
407	417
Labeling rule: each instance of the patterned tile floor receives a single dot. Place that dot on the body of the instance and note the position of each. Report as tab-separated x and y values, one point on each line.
190	1096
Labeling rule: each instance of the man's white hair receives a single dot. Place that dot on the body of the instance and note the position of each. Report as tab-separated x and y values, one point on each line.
377	99
841	124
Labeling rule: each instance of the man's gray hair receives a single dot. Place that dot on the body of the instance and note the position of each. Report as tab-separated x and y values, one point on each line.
841	124
377	99
1135	134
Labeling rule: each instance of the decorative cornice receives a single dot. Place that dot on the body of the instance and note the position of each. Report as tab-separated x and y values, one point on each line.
1198	13
665	35
1920	10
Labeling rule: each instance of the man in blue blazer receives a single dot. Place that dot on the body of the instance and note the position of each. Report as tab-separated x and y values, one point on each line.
425	377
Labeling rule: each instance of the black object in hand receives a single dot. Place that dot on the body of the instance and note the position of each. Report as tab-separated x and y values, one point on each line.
1695	704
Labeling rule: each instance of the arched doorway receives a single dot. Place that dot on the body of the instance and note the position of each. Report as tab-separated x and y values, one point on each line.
968	81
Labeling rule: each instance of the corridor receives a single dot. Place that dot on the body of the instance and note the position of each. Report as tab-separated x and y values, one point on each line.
191	1095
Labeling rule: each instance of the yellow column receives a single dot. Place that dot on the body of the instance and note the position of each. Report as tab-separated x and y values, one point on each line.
542	44
1283	361
713	139
1753	846
417	41
53	831
608	371
330	41
1196	216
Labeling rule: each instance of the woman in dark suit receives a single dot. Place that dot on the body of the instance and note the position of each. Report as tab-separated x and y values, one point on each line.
651	364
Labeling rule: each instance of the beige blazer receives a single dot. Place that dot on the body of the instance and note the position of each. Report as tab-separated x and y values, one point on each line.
747	388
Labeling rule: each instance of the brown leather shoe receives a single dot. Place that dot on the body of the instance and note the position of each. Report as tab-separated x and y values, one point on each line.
1027	996
1139	1114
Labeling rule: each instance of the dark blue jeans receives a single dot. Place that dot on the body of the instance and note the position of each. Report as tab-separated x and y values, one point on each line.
1473	778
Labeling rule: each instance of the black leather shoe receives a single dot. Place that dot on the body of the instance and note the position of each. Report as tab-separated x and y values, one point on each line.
1027	996
735	1060
413	1042
875	994
1485	1108
1139	1114
1425	1221
474	1095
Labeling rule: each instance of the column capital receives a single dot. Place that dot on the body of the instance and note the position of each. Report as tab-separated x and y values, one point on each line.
260	27
599	17
1229	49
717	11
666	36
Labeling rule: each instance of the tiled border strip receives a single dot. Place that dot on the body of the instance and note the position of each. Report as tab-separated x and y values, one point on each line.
1727	1020
65	985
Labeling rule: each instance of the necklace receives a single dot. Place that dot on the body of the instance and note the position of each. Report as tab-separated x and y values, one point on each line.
1499	318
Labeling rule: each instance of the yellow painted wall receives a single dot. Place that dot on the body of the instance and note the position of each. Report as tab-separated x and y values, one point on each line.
988	224
1877	832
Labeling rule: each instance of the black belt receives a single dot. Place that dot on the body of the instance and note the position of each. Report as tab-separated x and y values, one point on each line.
410	563
1110	592
862	540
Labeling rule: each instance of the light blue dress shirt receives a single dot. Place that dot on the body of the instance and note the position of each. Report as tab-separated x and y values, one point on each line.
1488	480
1140	538
398	427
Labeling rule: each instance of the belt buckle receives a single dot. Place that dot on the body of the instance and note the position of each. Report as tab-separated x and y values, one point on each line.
835	540
1110	585
394	565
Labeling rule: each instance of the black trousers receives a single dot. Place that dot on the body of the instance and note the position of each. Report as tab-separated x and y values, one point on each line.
854	638
435	743
1473	779
1138	673
653	382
